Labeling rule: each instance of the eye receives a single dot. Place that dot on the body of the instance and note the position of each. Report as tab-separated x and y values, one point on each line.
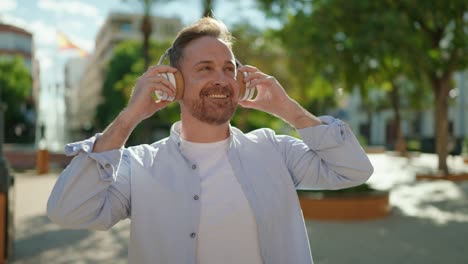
204	68
231	69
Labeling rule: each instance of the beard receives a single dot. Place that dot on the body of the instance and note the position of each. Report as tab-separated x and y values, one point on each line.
213	111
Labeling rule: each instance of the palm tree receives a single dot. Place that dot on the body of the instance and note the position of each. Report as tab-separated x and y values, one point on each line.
208	8
146	28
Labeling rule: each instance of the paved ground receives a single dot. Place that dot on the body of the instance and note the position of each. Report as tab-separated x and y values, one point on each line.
428	224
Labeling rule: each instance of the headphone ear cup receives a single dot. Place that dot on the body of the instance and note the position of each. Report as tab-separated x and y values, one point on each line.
241	83
177	81
180	86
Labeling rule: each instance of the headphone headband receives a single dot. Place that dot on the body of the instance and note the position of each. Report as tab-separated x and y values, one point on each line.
161	59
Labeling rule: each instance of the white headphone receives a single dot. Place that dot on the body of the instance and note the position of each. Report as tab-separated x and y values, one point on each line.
177	81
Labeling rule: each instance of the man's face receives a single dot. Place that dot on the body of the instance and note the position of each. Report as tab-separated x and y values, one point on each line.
209	71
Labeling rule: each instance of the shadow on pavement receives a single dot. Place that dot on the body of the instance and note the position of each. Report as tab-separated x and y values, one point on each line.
41	241
400	238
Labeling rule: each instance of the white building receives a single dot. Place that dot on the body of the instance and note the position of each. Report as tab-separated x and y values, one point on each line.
417	125
74	70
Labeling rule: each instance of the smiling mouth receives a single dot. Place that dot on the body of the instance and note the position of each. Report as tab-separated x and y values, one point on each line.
218	96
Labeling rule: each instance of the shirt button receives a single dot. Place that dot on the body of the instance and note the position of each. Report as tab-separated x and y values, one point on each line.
196	197
107	165
194	166
193	235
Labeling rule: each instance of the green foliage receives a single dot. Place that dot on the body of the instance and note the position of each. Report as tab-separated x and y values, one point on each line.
362	140
465	147
15	88
414	145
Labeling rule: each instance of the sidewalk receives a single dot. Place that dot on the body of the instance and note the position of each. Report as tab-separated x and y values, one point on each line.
428	224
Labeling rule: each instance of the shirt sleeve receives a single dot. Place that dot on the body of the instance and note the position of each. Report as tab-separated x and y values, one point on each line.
93	192
328	157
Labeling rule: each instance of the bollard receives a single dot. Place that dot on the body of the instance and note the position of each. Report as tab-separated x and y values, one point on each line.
42	161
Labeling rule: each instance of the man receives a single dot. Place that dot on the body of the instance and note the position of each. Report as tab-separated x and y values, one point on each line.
208	193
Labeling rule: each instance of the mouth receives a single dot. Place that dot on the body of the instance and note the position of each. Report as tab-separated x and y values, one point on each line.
217	93
217	96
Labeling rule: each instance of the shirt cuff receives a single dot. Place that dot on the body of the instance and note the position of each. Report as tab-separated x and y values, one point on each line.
333	132
107	162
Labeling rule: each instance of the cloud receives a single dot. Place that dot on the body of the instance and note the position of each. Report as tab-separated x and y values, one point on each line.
44	34
99	22
7	5
69	7
12	20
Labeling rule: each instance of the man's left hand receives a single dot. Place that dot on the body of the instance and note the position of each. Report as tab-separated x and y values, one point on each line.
272	98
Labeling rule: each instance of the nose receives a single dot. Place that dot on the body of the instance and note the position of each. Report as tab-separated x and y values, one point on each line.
220	78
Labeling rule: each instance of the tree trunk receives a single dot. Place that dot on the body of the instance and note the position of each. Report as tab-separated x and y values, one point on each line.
146	30
369	124
400	143
207	8
441	89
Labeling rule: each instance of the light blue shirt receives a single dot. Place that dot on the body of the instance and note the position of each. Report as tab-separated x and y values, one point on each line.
158	188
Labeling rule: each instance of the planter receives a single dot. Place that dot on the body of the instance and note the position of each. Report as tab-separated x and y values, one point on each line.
346	207
374	149
451	177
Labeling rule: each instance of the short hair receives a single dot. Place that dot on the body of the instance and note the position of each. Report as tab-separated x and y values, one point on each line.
206	26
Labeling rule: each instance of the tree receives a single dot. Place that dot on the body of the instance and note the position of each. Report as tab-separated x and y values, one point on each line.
429	37
440	40
15	89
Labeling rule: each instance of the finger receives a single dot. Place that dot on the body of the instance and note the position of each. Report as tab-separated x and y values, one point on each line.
161	89
255	75
161	104
248	68
247	104
265	81
162	80
154	70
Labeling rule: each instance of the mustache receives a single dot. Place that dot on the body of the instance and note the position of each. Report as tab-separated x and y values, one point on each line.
224	90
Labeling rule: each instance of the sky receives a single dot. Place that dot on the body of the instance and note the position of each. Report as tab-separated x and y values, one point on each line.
80	21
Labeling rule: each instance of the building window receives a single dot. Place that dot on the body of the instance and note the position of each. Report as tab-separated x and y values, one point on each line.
126	27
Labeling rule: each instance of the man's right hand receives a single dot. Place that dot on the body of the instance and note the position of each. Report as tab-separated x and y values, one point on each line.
141	104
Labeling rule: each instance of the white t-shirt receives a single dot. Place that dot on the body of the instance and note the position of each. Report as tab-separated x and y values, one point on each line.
227	231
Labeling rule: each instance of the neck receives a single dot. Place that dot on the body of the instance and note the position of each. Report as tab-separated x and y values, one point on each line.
194	130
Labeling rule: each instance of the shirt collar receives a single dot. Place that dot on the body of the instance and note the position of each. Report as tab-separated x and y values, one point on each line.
176	139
